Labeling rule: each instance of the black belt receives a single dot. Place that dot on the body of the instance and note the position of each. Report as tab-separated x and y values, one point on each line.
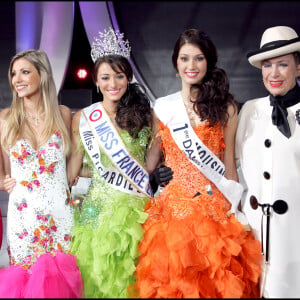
279	206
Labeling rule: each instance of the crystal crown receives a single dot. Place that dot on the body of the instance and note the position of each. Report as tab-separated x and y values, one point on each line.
110	42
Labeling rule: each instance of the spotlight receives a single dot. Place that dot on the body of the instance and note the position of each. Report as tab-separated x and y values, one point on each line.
81	73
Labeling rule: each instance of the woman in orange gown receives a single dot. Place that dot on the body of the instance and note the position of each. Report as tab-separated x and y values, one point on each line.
194	246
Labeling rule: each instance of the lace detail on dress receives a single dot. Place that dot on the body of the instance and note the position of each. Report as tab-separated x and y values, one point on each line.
188	181
40	211
191	248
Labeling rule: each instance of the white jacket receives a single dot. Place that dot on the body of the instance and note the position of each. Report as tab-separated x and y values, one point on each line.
262	151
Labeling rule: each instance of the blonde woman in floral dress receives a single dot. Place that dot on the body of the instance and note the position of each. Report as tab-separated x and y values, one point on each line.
35	143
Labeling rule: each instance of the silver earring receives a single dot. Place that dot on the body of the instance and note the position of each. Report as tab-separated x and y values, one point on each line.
97	89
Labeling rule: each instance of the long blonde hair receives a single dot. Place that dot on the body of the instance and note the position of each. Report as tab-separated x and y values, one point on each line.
15	123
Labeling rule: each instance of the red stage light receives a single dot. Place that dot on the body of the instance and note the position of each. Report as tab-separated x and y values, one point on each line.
82	73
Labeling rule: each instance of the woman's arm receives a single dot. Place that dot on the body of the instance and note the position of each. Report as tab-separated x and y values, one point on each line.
229	139
6	182
67	116
160	175
154	153
74	162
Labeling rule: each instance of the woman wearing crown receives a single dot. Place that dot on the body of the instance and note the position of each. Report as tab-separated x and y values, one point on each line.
114	136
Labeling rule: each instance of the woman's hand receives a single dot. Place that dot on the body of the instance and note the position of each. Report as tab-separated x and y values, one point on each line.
160	177
8	183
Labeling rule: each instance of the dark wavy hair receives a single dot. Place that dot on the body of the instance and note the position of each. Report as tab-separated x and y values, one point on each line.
297	57
212	94
134	109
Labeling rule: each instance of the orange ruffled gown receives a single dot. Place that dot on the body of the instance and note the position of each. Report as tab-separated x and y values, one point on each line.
191	248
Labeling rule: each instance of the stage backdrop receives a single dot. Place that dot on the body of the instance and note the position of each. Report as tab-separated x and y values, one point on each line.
152	28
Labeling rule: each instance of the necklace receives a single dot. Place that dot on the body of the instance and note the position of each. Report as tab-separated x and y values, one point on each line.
193	116
189	106
36	119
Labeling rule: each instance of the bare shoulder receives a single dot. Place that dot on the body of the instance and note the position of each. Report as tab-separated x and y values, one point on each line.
65	110
3	114
76	116
232	110
66	113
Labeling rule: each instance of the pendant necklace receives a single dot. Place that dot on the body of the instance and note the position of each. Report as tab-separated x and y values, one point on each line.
36	119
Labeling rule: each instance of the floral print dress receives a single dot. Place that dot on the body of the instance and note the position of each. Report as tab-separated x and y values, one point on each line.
40	217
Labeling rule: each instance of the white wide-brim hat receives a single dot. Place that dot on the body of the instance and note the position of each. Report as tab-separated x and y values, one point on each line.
275	41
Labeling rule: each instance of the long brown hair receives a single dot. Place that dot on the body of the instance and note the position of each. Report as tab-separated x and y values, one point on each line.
134	109
212	94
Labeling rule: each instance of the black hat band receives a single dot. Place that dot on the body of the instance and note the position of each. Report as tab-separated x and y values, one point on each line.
273	45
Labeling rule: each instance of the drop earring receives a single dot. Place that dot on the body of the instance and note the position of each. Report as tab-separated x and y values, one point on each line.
97	89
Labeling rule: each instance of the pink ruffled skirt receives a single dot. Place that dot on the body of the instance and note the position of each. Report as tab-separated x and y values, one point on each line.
49	277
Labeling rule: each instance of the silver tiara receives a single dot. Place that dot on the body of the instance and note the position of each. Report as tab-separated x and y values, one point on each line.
110	42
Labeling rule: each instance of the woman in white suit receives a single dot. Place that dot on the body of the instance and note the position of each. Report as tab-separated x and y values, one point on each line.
268	157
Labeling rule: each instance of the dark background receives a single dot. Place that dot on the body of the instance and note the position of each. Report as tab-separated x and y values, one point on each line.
152	28
235	26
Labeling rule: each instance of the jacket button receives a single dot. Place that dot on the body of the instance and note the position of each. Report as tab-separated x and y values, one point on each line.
267	175
267	143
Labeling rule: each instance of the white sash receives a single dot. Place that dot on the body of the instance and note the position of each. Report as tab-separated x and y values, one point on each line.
97	131
200	156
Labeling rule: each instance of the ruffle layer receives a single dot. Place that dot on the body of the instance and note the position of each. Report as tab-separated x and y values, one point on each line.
49	277
194	255
106	255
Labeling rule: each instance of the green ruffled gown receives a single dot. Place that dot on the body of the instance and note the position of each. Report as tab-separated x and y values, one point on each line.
108	228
